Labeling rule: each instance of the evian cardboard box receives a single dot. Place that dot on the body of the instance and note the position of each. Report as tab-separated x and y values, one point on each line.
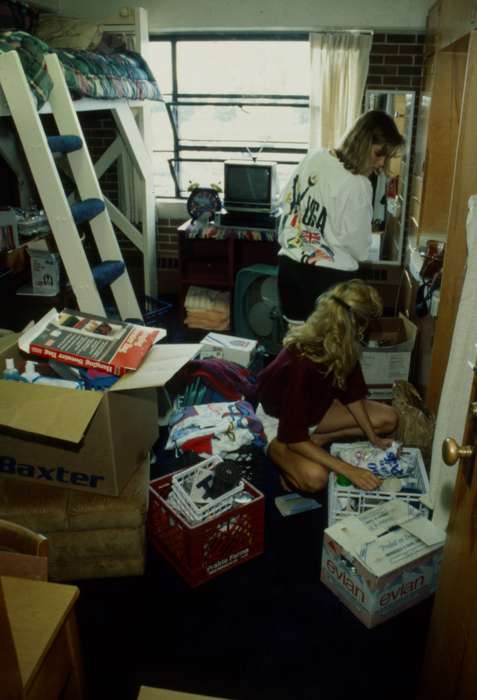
228	347
383	561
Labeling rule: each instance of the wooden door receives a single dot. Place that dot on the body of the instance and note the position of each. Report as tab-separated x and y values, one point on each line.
450	668
464	184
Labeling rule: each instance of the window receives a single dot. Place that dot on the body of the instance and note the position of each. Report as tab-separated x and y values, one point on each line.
228	97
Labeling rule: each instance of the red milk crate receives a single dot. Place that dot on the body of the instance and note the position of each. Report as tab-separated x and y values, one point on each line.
201	552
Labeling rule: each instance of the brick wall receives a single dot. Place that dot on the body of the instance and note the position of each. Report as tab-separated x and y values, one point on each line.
396	61
100	131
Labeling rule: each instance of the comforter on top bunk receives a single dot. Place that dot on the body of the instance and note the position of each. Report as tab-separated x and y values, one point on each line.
124	74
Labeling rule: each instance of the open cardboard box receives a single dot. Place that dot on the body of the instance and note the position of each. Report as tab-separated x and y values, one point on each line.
382	561
87	440
228	347
388	358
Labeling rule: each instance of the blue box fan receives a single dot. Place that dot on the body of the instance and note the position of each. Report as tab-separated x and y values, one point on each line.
257	306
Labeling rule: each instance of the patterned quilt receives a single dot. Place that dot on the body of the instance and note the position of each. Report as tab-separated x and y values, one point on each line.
118	75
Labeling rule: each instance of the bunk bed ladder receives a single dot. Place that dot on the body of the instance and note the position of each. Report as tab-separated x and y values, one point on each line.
63	217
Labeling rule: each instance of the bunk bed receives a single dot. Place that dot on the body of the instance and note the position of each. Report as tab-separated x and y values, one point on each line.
120	83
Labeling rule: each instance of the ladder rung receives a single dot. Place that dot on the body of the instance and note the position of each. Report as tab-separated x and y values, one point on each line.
107	272
87	209
64	144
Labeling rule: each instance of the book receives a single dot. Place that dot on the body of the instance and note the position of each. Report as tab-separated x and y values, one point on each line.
293	503
85	340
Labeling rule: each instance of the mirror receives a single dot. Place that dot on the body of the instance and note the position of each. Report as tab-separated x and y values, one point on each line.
390	193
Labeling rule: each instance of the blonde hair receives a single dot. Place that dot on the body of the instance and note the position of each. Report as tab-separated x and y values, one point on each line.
373	128
332	333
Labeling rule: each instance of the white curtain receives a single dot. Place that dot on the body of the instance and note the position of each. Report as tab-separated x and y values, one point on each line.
339	68
458	378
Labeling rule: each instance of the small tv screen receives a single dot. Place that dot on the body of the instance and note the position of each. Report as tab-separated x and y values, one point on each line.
250	186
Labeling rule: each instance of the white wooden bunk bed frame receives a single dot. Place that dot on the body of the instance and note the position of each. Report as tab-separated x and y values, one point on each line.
132	147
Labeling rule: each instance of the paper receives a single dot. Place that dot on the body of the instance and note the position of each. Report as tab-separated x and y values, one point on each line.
159	365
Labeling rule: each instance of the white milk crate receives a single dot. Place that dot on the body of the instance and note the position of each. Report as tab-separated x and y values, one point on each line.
180	500
348	500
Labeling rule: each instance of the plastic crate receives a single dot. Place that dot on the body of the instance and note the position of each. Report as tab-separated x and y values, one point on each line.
348	500
201	552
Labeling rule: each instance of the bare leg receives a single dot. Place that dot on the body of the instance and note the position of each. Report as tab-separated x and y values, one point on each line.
339	424
304	474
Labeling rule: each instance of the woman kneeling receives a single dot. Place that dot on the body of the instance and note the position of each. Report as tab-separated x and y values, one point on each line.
315	391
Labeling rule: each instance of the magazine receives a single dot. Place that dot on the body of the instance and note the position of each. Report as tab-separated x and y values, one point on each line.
90	341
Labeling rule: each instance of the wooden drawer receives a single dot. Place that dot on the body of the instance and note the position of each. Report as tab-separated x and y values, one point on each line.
203	248
211	272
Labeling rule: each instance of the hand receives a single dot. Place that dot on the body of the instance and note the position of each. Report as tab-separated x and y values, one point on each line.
362	478
382	443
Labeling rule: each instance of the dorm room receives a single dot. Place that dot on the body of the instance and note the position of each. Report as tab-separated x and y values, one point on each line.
165	529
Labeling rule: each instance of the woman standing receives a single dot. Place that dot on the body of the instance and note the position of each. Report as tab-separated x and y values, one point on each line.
314	392
325	230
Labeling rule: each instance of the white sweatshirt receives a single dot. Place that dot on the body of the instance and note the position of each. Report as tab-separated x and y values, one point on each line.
327	214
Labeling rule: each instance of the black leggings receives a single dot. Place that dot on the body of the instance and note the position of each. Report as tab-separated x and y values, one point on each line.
299	286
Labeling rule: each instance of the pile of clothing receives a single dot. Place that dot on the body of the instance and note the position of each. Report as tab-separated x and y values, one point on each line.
207	308
215	428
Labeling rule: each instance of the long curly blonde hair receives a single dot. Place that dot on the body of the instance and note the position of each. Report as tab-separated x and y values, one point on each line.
332	334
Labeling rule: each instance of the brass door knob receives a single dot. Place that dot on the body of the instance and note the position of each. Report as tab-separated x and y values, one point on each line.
451	452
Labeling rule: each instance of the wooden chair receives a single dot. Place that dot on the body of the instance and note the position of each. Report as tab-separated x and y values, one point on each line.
40	657
23	553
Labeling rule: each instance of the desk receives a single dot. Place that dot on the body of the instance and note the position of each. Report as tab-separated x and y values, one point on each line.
43	628
213	256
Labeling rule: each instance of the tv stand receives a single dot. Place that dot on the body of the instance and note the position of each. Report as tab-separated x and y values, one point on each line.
249	220
213	256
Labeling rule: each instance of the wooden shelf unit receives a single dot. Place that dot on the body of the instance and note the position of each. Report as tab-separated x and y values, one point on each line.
445	166
214	262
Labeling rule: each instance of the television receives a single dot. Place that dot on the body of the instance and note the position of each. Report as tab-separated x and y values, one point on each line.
250	186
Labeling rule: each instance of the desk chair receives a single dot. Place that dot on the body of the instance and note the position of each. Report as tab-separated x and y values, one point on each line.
40	658
23	553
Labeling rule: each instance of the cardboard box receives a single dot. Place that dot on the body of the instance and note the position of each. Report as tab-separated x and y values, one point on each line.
87	440
228	347
382	562
388	356
45	272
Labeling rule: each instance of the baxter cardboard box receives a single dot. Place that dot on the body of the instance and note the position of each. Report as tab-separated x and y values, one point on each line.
382	561
228	347
87	440
387	357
